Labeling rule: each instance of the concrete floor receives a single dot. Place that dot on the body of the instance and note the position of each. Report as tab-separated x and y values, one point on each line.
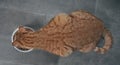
37	13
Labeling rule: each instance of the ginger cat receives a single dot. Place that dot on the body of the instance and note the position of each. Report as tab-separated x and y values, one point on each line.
66	33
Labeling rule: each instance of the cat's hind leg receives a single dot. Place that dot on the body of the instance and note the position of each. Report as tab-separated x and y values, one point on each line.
63	51
87	48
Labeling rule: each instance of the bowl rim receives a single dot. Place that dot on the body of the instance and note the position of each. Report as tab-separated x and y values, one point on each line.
13	36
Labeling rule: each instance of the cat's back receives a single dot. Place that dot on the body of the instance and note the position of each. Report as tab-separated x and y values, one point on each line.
76	29
85	21
86	28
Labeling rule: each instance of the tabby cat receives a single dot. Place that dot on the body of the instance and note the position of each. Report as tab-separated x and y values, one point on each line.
65	33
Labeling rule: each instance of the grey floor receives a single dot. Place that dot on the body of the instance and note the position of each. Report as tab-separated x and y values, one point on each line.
37	13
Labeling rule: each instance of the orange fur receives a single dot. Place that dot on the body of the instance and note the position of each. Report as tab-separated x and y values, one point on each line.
66	33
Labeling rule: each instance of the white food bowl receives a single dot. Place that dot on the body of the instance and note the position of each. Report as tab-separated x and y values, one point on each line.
18	49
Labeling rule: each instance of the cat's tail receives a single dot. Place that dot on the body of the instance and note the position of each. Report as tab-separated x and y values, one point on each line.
108	42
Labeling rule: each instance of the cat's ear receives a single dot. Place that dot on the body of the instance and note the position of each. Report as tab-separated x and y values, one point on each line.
21	29
15	43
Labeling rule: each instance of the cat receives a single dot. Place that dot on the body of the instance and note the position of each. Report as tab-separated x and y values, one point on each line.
66	33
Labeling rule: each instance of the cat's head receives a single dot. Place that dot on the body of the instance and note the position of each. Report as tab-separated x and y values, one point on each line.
19	37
